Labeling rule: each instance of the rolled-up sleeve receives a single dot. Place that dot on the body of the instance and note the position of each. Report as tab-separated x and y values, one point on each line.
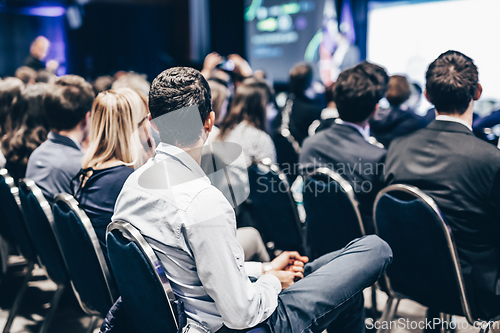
211	236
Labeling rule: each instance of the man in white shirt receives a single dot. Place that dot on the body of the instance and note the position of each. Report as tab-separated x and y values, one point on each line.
191	226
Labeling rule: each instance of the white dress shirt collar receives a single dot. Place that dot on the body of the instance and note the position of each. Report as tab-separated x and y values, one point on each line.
365	132
182	156
454	119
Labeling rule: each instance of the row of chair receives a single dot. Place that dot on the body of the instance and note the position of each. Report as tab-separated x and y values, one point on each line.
404	216
60	240
426	267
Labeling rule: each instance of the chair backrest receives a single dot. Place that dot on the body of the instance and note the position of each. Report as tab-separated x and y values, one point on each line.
142	282
273	208
425	267
333	218
40	222
85	260
286	154
12	217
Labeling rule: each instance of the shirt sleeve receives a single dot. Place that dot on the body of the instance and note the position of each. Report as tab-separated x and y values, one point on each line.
211	235
253	268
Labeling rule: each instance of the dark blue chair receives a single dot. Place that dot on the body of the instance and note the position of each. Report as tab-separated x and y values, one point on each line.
15	230
273	208
145	290
85	260
333	218
39	220
146	293
426	266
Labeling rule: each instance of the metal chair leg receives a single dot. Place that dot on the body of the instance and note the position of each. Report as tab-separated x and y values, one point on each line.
485	327
445	323
388	315
52	310
93	321
374	309
19	297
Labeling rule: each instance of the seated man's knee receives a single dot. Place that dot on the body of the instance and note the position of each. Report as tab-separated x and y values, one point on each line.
379	248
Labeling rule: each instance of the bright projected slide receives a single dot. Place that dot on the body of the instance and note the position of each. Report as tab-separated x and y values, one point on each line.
406	36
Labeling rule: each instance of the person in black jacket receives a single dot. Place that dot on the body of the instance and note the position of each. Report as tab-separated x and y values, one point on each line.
460	172
396	120
344	146
304	109
38	51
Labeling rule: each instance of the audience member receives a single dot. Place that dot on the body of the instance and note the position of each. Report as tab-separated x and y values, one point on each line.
102	83
38	52
26	74
245	123
117	117
10	90
460	172
396	120
217	294
26	129
481	124
328	114
344	146
67	109
45	76
220	100
304	110
133	81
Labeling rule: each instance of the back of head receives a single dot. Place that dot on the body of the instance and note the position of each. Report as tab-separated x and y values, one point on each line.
102	83
330	94
26	74
45	76
181	89
301	77
399	90
220	94
451	82
358	90
113	133
28	128
133	81
10	90
249	104
67	102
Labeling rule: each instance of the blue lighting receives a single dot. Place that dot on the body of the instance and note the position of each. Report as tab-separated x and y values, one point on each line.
46	11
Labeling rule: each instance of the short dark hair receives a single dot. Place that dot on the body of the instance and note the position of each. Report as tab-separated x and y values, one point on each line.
180	88
301	77
358	90
398	91
451	82
67	103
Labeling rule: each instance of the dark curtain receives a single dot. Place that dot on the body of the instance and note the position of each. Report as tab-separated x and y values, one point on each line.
141	38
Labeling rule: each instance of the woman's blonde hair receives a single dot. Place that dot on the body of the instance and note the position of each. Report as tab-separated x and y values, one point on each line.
114	121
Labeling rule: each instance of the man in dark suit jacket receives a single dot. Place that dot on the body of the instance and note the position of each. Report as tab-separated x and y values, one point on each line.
55	162
460	172
345	147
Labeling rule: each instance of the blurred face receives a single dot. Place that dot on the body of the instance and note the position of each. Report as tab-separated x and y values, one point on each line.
40	49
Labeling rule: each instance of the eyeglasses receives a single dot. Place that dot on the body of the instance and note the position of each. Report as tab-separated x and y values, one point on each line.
143	120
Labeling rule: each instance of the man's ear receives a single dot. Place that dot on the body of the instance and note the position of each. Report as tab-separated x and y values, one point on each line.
479	91
209	123
427	96
374	113
86	120
151	121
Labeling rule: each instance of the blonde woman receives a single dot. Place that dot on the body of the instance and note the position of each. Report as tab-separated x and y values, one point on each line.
119	140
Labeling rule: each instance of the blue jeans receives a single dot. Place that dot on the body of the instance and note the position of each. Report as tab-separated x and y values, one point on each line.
330	296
